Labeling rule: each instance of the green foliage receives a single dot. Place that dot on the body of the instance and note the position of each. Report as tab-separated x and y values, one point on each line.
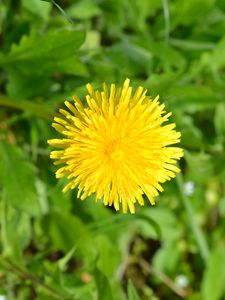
54	246
103	286
30	63
132	293
214	276
17	178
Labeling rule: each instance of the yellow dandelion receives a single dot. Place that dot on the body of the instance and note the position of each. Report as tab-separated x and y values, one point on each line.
116	146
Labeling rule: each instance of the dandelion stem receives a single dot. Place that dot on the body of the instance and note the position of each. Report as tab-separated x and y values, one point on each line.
199	237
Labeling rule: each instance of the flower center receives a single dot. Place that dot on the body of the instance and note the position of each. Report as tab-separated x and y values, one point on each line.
114	150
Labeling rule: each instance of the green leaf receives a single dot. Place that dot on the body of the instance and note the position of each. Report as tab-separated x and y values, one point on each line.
109	256
165	259
213	287
42	196
192	136
218	59
73	66
36	54
17	178
3	13
157	223
169	57
219	119
132	293
30	63
15	231
192	97
37	109
158	84
60	9
62	263
192	45
103	286
84	9
152	222
65	239
190	11
134	52
38	8
25	86
201	162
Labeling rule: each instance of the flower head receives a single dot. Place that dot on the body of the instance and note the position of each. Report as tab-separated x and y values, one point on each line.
116	146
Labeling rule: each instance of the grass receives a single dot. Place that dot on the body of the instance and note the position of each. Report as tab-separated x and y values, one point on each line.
54	246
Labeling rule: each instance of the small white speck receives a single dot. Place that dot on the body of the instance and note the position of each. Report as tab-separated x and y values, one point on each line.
54	88
182	281
189	188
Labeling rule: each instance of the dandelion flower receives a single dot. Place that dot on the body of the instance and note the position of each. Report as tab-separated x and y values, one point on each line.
116	146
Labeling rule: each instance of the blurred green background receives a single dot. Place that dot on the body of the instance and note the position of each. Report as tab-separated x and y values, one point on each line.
54	246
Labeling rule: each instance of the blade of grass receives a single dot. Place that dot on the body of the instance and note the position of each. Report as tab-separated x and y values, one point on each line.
60	9
166	13
199	237
191	45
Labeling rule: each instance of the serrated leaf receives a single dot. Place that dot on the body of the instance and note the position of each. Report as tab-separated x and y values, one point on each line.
37	54
132	293
17	178
213	285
